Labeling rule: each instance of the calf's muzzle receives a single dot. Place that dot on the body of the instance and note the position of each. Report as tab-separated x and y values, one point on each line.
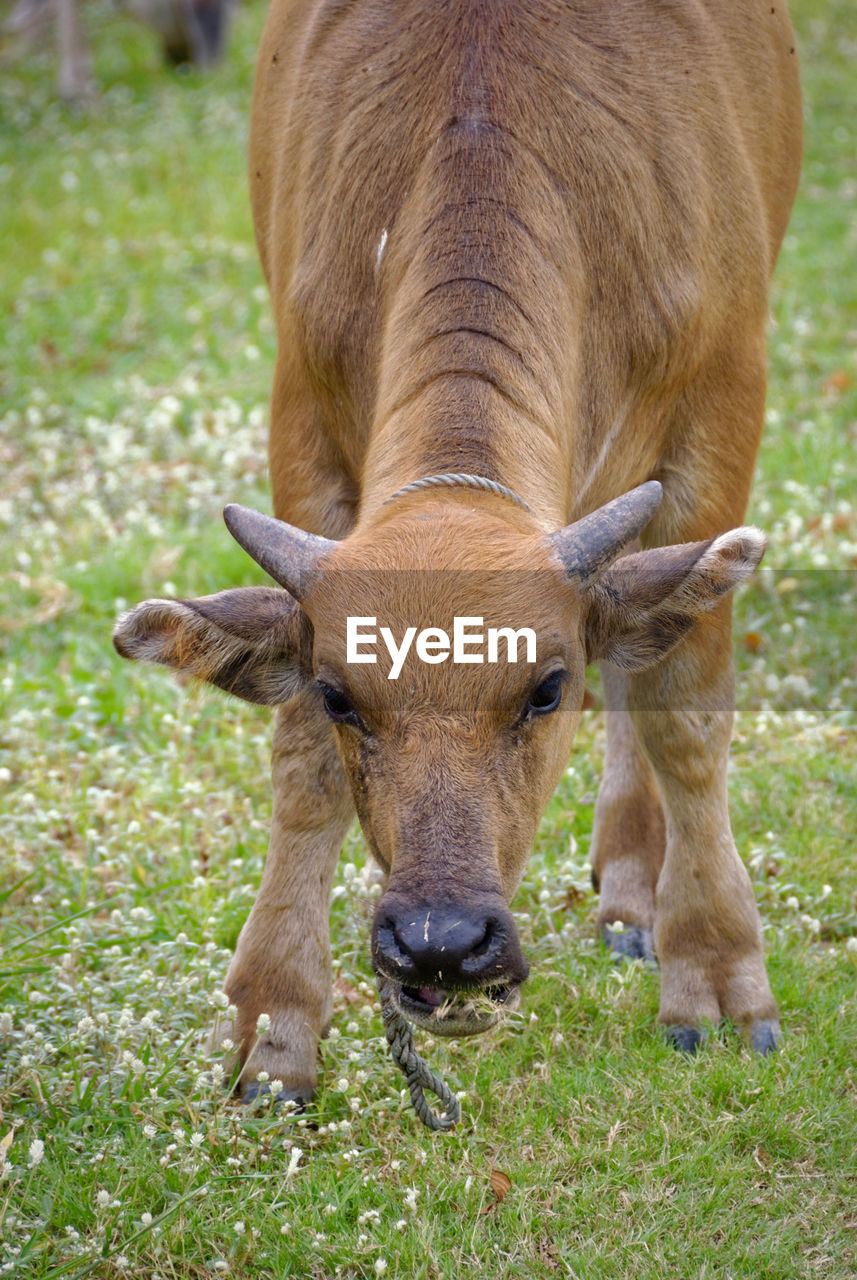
452	967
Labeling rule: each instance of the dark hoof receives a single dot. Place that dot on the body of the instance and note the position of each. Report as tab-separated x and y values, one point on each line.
632	943
764	1036
251	1092
685	1039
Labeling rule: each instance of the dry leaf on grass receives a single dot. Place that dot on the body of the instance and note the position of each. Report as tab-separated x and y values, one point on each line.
501	1185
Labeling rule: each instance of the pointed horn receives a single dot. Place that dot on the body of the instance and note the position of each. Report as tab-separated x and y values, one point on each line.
288	554
591	544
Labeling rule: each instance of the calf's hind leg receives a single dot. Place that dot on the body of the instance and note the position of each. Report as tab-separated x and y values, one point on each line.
282	963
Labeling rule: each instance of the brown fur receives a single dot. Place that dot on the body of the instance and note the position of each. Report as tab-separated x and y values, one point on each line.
531	241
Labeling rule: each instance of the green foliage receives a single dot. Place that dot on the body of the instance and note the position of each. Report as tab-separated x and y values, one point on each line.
135	360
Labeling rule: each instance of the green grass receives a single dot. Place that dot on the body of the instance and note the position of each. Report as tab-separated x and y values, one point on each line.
136	351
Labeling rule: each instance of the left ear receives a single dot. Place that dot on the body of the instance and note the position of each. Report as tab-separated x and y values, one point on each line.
644	604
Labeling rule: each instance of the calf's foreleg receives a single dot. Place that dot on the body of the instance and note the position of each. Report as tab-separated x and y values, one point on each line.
628	836
707	934
282	962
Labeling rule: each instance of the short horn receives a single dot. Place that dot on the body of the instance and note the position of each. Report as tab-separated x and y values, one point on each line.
590	545
288	554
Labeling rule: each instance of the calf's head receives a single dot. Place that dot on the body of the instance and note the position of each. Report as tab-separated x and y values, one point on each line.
452	741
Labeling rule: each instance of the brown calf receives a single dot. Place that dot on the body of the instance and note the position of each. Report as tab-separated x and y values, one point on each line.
519	256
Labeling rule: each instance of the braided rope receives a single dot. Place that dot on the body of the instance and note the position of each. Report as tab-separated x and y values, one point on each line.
419	1076
455	480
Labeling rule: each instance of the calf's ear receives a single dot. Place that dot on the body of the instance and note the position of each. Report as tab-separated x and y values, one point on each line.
641	607
254	642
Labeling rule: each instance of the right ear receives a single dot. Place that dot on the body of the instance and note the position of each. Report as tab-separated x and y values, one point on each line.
254	642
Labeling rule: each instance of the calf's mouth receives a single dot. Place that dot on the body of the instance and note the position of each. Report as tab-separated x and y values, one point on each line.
445	1012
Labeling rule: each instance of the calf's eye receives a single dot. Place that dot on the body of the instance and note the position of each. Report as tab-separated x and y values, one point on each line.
547	696
338	705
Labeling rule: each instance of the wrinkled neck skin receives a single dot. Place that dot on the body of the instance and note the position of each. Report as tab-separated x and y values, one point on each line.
470	380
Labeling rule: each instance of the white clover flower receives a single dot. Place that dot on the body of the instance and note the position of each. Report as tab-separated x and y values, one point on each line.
197	1139
86	1025
150	1131
146	1219
294	1161
263	1022
102	1198
276	1086
37	1151
851	946
411	1199
239	1228
380	1266
792	903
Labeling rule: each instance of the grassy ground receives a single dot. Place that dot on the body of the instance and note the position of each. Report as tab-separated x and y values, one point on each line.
135	357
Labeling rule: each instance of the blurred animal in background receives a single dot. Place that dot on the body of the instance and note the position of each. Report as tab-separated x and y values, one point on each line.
192	32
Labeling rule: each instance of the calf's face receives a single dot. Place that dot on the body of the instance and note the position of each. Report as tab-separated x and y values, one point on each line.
450	762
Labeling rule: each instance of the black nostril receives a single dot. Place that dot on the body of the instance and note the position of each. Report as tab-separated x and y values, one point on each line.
489	955
388	944
484	944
